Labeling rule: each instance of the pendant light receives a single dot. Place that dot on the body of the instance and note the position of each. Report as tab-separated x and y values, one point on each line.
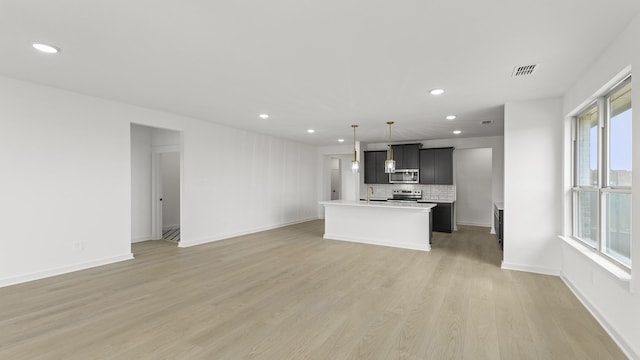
390	164
355	166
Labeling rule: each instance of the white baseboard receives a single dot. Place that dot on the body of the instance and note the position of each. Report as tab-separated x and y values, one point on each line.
185	244
137	239
616	336
63	270
468	223
529	268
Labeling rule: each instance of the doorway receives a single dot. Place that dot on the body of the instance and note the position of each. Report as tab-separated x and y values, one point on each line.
474	187
340	183
169	186
155	184
165	193
336	179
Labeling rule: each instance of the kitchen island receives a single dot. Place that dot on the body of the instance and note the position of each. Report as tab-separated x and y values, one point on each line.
402	225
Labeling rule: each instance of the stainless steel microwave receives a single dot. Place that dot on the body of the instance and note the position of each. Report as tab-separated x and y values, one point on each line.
404	176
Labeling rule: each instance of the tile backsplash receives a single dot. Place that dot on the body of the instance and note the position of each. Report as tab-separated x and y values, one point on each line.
429	192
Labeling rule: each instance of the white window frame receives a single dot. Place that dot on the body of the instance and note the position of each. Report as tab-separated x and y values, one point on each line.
602	188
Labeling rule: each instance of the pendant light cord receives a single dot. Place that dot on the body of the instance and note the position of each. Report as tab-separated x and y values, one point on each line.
355	152
390	150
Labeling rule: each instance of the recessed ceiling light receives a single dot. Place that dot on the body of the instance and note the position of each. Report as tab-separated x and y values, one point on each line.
450	117
436	91
264	116
49	49
340	140
457	132
311	131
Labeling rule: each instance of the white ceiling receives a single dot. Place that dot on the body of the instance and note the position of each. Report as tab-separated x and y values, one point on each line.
323	64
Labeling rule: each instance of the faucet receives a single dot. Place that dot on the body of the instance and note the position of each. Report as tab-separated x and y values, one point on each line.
369	192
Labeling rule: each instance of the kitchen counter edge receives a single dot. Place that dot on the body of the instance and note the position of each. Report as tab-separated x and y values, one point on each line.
381	204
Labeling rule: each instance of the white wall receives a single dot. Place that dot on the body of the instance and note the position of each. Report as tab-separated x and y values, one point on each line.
473	187
532	194
615	303
347	178
65	182
68	198
220	162
140	183
164	137
170	174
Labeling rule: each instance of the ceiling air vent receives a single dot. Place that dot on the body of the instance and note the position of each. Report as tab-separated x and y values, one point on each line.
486	122
523	70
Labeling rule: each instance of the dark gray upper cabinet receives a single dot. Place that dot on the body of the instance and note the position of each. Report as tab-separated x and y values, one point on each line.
436	166
370	175
444	166
374	167
427	166
406	156
383	178
398	156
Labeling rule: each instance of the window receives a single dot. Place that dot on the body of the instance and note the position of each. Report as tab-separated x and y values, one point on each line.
602	174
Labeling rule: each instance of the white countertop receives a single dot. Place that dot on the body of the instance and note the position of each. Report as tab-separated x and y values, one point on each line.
380	204
420	201
437	201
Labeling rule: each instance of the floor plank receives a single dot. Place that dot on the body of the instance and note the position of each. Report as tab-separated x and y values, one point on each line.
288	294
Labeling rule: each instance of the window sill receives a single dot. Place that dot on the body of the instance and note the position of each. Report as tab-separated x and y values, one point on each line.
598	259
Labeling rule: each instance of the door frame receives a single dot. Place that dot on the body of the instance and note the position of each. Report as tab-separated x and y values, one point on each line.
339	180
156	187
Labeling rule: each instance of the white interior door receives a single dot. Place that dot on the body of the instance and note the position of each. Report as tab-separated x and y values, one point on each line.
156	188
170	185
336	179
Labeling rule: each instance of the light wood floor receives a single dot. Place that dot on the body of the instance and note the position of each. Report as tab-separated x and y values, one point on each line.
289	294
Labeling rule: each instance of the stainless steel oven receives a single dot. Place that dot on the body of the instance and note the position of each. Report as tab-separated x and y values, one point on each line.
402	195
404	176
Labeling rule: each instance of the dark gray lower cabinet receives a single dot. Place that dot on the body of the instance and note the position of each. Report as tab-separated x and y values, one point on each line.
443	217
498	220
